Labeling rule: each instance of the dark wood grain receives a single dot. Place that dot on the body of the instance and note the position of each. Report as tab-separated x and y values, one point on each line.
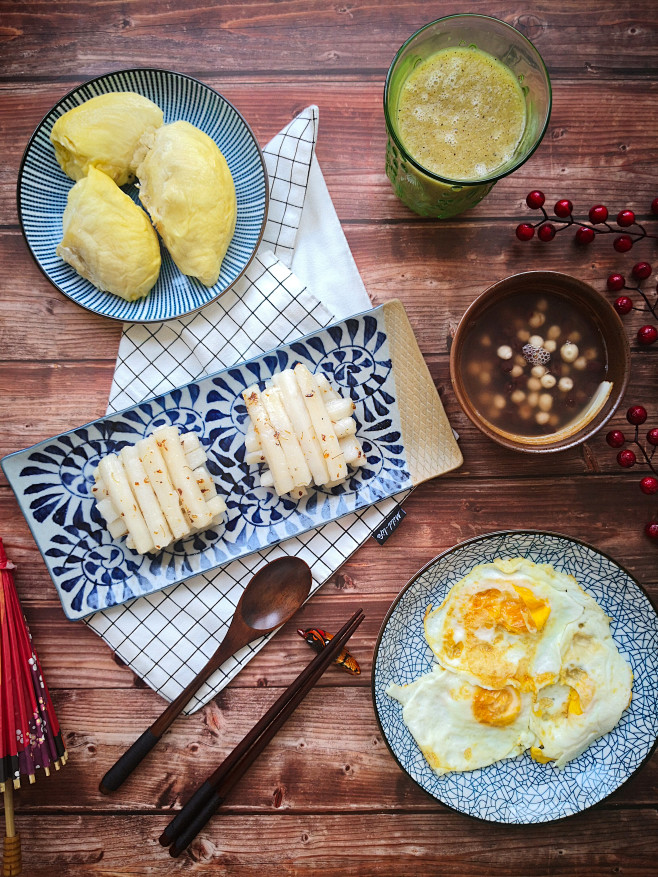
350	844
613	163
442	513
326	797
75	38
79	392
354	771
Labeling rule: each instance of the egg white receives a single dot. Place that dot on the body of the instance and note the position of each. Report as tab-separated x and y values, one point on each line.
438	710
597	678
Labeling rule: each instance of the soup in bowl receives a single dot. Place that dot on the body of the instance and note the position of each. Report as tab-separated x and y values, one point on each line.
540	361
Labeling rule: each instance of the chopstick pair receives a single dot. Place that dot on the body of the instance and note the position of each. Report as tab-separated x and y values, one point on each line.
210	795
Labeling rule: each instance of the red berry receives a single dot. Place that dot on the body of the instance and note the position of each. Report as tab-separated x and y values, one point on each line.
584	235
546	232
535	199
652	436
625	218
616	282
647	335
641	270
649	485
598	213
623	305
524	231
636	414
654	206
622	243
615	438
563	208
626	458
651	527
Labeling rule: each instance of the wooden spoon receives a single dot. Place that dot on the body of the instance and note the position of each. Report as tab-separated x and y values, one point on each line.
270	599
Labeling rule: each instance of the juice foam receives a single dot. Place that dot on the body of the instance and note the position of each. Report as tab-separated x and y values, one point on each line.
461	114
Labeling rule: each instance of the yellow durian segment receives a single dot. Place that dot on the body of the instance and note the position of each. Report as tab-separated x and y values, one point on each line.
108	239
187	187
103	132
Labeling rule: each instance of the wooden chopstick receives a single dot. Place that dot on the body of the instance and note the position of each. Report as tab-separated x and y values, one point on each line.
210	794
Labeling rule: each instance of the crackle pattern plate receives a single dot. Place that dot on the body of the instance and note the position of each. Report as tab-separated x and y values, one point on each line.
519	790
43	188
372	357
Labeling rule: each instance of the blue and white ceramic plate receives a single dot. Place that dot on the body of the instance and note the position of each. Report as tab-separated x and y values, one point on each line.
91	571
43	189
519	790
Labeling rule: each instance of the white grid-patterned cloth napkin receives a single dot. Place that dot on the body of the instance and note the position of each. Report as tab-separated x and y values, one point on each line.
167	637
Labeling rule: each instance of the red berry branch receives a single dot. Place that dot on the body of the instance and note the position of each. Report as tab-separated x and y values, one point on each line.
598	224
627	457
646	335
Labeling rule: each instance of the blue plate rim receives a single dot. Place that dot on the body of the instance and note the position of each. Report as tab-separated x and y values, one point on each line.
459	545
71	92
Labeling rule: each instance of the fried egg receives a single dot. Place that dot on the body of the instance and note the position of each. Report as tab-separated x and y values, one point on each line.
505	623
526	660
459	726
587	701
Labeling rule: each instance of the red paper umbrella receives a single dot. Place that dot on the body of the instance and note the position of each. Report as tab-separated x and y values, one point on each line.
30	738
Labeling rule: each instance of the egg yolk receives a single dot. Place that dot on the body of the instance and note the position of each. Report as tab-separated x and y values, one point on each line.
582	690
574	706
496	708
538	755
489	608
538	609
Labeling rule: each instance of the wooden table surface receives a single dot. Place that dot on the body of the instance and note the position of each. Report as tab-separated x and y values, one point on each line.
327	797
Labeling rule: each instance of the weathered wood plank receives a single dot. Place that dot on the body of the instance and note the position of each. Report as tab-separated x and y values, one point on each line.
44	399
352	845
605	510
39	322
74	38
423	264
365	581
610	161
87	662
331	743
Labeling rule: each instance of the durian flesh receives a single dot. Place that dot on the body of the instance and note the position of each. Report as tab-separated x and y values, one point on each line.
103	132
108	239
187	187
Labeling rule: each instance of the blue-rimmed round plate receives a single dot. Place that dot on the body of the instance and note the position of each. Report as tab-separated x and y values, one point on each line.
43	189
519	790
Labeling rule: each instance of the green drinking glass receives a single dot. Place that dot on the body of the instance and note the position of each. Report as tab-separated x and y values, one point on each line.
423	190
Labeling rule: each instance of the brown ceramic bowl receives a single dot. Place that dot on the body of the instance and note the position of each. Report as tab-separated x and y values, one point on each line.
591	308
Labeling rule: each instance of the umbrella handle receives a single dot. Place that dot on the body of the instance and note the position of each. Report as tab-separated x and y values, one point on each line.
124	766
11	861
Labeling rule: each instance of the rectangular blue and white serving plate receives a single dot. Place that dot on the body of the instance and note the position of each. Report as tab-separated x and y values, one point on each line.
372	357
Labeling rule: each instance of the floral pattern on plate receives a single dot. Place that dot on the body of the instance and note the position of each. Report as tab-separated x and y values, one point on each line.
519	790
91	571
